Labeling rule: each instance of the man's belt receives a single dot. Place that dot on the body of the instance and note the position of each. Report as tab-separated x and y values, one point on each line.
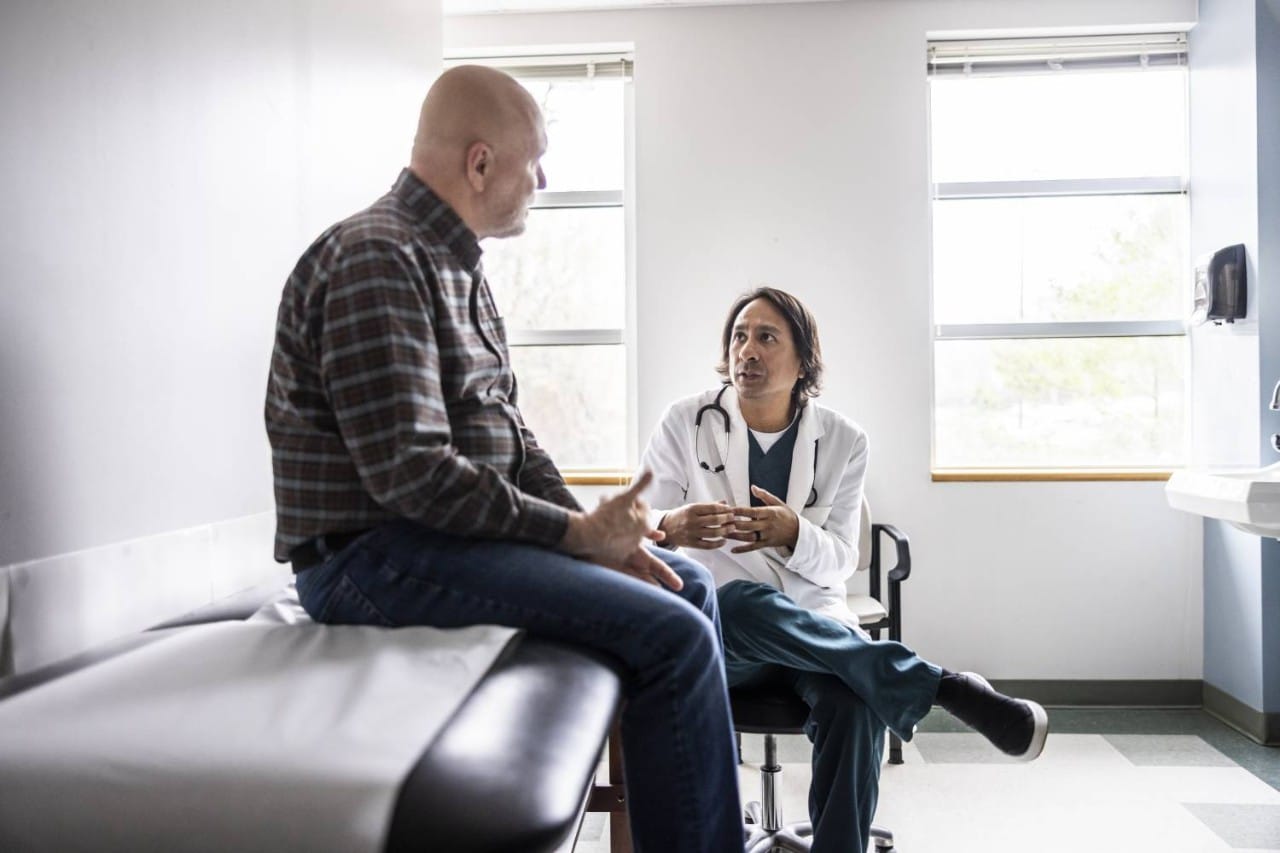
315	551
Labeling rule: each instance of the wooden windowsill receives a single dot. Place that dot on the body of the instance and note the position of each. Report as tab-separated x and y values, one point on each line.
605	477
596	477
1046	475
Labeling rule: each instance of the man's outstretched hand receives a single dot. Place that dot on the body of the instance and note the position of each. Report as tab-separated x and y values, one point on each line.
612	535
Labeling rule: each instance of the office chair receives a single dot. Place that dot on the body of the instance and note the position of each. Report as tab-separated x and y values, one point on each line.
771	712
774	711
778	712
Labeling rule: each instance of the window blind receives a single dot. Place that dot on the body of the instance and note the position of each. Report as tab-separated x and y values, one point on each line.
557	67
1047	55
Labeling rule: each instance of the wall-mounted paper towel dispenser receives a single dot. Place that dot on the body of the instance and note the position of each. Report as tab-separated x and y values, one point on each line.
1222	291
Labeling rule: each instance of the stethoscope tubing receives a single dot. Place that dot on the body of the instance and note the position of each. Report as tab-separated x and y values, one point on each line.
714	407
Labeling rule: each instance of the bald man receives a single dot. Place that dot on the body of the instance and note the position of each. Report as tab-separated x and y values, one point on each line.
410	492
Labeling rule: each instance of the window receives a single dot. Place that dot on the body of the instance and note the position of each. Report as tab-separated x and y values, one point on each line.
1060	270
563	285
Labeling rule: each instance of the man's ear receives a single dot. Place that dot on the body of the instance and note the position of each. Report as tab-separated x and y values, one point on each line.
478	165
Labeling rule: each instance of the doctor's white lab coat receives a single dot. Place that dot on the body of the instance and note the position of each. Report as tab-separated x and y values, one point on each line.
813	575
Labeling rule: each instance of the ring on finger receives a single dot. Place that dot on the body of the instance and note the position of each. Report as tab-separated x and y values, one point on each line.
757	535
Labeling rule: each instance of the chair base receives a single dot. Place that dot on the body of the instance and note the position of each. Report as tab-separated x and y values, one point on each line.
882	840
793	838
796	837
895	749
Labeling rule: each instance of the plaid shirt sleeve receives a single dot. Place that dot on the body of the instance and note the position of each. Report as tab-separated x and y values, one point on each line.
540	476
380	368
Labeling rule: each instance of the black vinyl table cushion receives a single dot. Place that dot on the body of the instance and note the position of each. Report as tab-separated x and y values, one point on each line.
510	771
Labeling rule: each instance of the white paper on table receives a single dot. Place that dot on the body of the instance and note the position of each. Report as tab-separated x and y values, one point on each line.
283	608
233	736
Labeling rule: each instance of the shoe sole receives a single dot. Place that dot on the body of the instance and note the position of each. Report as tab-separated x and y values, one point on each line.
1040	728
1039	735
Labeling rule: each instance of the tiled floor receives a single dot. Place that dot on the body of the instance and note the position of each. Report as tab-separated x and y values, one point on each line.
1142	781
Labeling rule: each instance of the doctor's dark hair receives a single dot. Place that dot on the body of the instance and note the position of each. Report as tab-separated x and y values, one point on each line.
804	333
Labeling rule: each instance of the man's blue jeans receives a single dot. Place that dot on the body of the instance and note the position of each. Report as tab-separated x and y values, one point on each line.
854	687
681	765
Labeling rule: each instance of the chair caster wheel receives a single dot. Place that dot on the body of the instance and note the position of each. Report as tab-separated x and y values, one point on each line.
882	839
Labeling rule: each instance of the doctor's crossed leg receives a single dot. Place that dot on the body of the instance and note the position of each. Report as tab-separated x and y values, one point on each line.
764	486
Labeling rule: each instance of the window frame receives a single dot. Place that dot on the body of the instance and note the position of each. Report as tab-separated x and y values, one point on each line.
575	336
1035	62
567	63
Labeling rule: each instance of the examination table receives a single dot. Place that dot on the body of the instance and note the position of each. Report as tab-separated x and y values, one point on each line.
511	770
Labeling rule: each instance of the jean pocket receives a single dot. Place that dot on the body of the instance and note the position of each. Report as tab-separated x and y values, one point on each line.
348	605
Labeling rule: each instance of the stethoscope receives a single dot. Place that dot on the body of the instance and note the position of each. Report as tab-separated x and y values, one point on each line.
715	408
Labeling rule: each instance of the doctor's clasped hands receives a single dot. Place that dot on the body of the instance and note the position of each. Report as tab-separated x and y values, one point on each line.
711	525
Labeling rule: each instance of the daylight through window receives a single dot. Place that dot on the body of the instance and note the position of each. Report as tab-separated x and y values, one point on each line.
1060	272
562	285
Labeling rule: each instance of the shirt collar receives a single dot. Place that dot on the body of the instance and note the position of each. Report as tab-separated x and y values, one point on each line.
785	438
791	427
434	213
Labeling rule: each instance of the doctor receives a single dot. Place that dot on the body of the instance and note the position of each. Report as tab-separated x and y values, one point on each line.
764	487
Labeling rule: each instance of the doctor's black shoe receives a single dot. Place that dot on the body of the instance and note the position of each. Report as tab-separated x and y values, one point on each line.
1016	727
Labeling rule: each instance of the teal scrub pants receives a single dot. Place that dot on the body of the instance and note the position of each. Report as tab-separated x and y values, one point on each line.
855	688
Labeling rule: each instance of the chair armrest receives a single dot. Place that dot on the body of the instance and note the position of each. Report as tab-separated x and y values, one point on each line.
900	572
902	568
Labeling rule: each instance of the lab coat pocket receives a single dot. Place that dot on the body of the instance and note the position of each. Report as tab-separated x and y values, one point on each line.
816	514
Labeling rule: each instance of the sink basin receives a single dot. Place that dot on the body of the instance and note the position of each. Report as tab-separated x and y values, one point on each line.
1248	500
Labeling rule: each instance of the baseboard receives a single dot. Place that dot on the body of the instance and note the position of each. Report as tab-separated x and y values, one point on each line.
1107	693
1260	726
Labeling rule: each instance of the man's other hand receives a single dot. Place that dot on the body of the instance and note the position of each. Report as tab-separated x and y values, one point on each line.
613	534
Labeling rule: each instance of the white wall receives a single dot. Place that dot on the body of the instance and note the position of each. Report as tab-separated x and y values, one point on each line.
1224	211
787	145
164	165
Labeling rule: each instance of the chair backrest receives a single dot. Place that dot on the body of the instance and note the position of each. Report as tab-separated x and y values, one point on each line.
864	537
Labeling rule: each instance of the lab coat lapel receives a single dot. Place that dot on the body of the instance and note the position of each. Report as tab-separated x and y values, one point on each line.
735	457
803	474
